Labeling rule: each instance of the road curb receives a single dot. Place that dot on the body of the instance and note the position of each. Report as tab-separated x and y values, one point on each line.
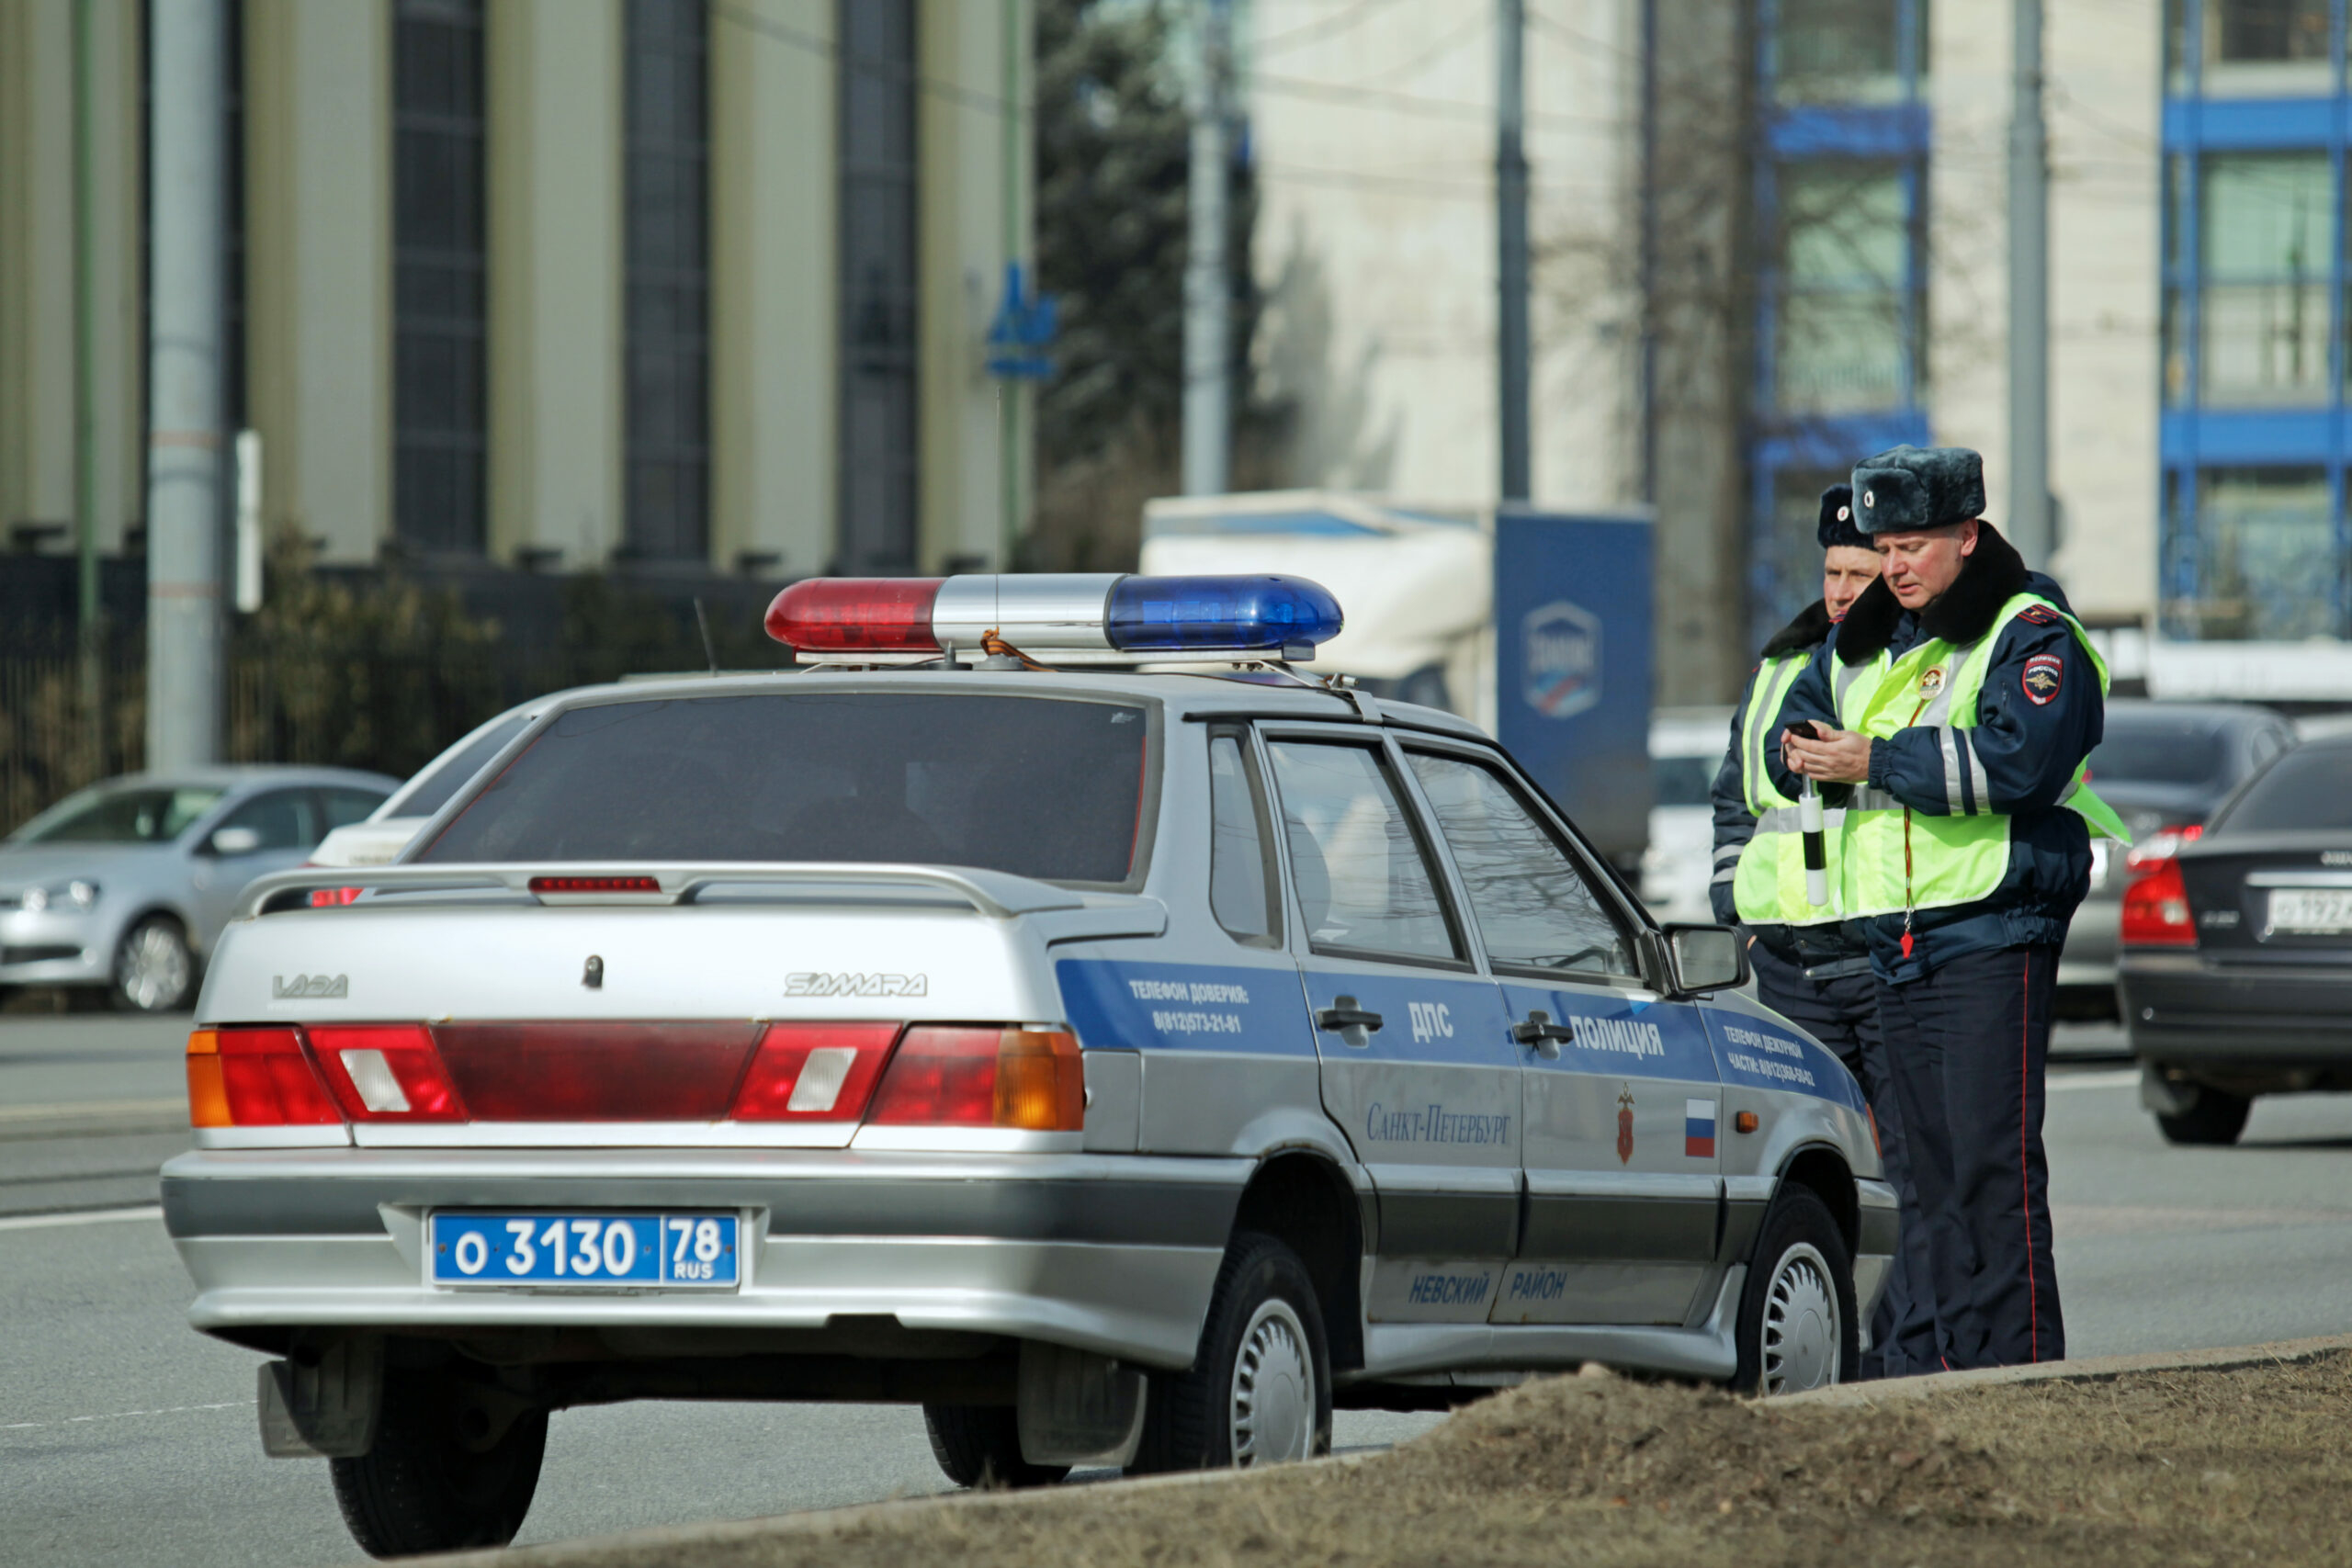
2095	1369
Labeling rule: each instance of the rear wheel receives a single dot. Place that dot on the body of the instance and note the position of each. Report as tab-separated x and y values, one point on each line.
453	1467
980	1445
1260	1390
2211	1118
1797	1329
153	969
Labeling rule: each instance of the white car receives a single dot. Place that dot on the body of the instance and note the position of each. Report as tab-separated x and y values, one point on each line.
1686	745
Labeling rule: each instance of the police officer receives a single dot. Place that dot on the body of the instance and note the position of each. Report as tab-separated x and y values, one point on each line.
1811	968
1960	697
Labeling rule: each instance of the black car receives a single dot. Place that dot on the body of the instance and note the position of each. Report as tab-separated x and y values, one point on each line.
2164	767
2236	975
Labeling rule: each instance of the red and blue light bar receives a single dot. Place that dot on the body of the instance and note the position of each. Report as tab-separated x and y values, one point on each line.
1079	618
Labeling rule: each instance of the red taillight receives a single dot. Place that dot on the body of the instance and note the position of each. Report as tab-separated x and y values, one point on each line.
386	1073
332	897
254	1078
814	1072
868	615
964	1077
595	885
2155	901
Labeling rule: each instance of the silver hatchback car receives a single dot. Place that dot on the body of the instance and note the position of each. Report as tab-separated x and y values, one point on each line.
1125	1068
126	884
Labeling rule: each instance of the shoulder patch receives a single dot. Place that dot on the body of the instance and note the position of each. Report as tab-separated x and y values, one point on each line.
2040	615
2045	672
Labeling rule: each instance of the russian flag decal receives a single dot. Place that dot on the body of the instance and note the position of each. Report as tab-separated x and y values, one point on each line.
1699	1129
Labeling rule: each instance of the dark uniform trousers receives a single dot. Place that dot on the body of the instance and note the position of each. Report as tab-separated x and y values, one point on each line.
1968	1044
1841	1008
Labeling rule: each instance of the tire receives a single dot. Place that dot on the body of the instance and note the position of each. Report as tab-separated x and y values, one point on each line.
153	969
441	1476
1797	1326
980	1445
1260	1390
2213	1119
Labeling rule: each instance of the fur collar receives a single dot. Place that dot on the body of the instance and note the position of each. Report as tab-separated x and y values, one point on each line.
1809	630
1962	615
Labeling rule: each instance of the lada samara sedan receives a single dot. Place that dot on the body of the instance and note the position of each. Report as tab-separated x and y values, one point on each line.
1126	1067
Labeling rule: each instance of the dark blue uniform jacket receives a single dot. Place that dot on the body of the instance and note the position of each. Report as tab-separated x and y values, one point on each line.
1810	946
2039	715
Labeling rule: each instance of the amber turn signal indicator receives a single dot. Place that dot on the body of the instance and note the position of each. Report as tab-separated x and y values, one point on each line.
1744	1121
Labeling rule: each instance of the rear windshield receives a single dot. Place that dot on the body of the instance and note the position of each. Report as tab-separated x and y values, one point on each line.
2308	787
2159	751
123	817
1682	781
1037	786
423	796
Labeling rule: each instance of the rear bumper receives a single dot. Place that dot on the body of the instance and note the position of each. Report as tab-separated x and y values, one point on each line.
2185	1010
1112	1254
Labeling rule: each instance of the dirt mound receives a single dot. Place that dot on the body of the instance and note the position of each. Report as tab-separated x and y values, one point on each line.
2180	1467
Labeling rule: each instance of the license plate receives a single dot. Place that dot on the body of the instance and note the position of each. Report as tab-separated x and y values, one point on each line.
2317	909
585	1251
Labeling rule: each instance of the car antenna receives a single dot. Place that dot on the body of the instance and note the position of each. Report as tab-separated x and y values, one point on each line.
703	621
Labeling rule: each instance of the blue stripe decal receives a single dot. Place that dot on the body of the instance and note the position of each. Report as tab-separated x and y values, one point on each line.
1618	1037
1765	1053
1185	1007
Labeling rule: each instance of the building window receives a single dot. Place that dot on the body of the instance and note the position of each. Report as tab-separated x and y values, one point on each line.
2249	48
1847	327
2265	244
2257	535
877	286
1853	51
440	381
669	280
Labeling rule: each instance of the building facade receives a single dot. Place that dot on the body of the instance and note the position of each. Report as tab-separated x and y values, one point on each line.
1773	239
663	287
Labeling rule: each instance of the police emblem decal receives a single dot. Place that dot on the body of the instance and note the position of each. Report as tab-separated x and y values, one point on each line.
1932	680
1626	1126
2044	674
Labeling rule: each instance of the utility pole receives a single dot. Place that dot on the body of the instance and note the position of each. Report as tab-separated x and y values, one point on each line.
85	401
2029	517
1008	391
184	439
1510	234
1209	314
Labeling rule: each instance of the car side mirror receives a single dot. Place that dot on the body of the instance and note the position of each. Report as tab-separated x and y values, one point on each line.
234	840
1706	958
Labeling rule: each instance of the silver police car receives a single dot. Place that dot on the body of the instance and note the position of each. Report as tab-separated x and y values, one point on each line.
1128	1067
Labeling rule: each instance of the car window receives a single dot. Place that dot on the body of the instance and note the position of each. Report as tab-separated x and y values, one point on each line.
1047	787
344	806
430	791
121	816
2266	744
1682	781
1243	890
2157	748
284	817
1363	880
2308	788
1531	905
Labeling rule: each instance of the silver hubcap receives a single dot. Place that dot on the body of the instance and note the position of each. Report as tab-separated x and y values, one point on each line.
154	967
1801	1332
1273	1389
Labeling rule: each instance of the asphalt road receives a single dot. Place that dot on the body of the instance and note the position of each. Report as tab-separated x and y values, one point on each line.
127	1439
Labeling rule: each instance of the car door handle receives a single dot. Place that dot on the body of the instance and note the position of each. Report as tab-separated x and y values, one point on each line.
1344	1015
1539	1030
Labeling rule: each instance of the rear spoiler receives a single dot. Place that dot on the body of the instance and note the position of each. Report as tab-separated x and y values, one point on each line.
997	893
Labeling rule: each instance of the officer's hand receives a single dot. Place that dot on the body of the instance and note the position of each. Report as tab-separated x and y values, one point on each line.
1843	758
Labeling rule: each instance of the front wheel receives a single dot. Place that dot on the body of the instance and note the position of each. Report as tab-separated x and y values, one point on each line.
153	969
453	1467
1260	1390
1797	1328
2211	1120
980	1445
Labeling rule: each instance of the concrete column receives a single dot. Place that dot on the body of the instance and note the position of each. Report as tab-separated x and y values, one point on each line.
119	346
962	244
37	268
555	279
318	230
775	311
